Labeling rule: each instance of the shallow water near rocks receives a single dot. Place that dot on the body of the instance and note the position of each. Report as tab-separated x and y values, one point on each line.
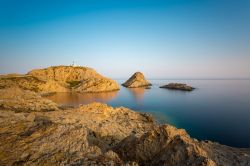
218	110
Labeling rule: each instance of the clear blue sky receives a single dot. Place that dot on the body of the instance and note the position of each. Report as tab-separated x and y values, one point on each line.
163	39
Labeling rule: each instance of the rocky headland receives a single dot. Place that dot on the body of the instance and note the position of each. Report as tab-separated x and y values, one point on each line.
36	131
97	134
178	86
60	79
137	80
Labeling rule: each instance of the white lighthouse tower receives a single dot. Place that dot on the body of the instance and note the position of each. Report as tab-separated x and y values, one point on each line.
74	64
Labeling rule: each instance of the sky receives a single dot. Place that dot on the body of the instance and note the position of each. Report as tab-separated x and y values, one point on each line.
161	38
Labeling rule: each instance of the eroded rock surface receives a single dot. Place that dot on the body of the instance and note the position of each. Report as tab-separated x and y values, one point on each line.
60	79
36	140
97	85
81	136
136	80
20	100
178	86
65	73
80	79
166	145
32	83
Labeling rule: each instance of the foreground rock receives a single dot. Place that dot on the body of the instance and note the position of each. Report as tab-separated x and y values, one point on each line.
97	134
166	145
60	79
81	136
137	80
20	100
32	83
39	141
178	86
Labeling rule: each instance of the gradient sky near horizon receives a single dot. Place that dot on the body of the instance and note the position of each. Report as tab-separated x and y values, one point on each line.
162	38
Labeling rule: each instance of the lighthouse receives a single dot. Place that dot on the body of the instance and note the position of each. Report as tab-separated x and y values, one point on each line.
74	64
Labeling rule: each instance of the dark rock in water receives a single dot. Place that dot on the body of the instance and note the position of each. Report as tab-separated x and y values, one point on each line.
178	86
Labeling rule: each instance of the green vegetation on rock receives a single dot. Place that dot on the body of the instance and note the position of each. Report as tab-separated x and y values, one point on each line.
73	84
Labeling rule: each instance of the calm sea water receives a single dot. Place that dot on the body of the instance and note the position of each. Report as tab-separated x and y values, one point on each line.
218	110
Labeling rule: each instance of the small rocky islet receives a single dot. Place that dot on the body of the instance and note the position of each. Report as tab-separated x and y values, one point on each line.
37	131
137	80
178	86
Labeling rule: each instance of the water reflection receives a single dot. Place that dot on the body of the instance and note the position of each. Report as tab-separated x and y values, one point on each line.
138	93
74	99
216	110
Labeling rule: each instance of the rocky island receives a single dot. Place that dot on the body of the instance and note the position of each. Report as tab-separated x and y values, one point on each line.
137	80
36	131
60	79
178	86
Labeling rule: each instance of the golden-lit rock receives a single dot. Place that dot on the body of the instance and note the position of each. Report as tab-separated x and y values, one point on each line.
60	79
97	85
80	79
32	83
167	145
78	136
65	73
20	100
136	80
98	134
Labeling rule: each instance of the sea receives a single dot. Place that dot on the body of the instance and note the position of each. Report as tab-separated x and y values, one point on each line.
217	110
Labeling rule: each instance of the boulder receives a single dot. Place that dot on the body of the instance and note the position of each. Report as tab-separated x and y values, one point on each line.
136	80
167	145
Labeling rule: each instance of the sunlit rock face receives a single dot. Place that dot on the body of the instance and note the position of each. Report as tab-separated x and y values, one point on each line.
61	79
167	145
80	79
97	134
81	136
136	80
20	100
65	73
32	83
97	85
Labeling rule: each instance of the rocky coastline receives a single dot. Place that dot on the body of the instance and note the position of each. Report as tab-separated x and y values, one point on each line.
60	79
37	131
